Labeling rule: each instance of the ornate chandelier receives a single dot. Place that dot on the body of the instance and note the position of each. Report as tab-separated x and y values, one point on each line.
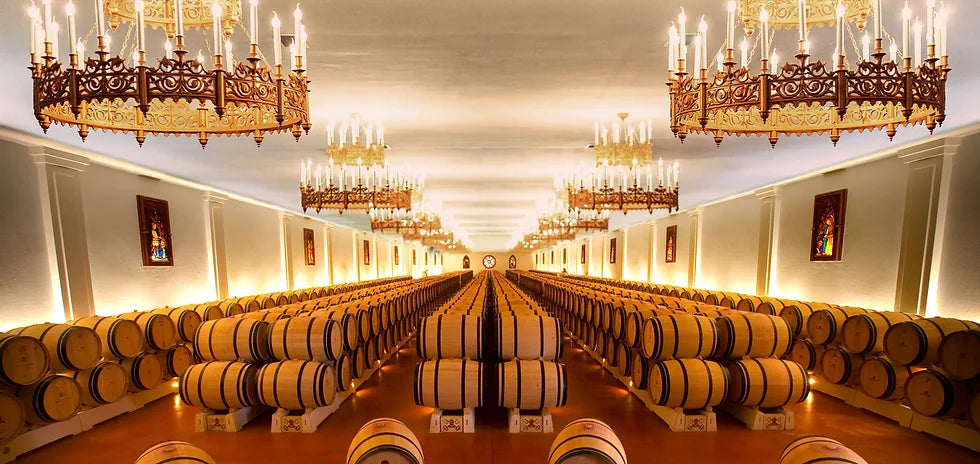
402	221
364	184
180	95
880	85
565	221
623	178
536	240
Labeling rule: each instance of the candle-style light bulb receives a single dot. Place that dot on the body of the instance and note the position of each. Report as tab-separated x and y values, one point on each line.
703	33
277	38
216	26
866	47
80	51
168	48
229	54
682	35
730	25
745	53
764	30
774	62
907	31
200	57
253	14
70	12
671	57
917	33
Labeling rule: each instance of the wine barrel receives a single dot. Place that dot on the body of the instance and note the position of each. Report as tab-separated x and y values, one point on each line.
54	399
839	366
767	383
450	336
531	384
959	354
529	337
306	338
220	385
70	348
174	452
145	371
449	384
175	361
121	338
974	412
348	325
916	343
12	417
297	385
186	321
797	317
824	325
754	335
210	312
640	372
587	441
748	303
23	360
262	315
344	371
105	383
159	331
234	307
883	379
772	306
807	354
813	449
865	333
384	441
624	359
688	383
933	393
679	336
232	339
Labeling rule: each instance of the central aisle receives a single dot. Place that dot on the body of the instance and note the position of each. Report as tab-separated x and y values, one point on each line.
592	391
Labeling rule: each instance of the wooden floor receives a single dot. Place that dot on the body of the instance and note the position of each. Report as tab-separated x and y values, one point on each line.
593	392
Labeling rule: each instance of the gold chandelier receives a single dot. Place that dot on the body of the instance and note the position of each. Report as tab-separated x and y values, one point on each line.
880	87
565	221
404	222
356	187
540	239
180	95
623	145
366	143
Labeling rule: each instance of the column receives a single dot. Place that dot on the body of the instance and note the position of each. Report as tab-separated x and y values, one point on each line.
214	212
926	200
328	253
767	223
652	255
286	240
61	198
694	251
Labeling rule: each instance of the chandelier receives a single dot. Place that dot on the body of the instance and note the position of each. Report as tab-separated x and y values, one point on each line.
540	239
370	148
880	84
404	221
179	95
564	221
632	147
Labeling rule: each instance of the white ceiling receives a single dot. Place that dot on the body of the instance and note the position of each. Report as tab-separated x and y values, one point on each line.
489	98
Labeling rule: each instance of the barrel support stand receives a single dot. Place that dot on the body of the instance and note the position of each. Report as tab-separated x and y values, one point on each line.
893	410
284	420
36	438
530	421
91	417
758	419
458	421
231	421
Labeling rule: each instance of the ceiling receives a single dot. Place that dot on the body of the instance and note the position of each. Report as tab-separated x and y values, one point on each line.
490	99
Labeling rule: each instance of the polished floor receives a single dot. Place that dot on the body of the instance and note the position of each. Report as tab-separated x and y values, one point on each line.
593	392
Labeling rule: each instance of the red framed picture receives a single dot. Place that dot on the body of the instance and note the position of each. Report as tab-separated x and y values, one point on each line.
670	248
367	252
512	262
827	233
309	247
155	240
466	262
395	255
612	250
582	256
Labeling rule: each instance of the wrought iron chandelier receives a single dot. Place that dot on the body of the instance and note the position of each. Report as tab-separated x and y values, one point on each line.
880	84
370	148
402	221
623	178
179	95
540	239
564	221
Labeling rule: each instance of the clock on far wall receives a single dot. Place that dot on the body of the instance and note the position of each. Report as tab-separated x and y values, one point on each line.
489	261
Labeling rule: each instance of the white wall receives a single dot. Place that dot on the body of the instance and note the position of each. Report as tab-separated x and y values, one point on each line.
636	253
672	273
525	260
730	245
305	276
342	249
253	246
958	288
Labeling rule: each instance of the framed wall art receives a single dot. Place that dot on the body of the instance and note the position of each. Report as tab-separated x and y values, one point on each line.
466	262
367	252
582	256
670	245
612	250
395	255
512	262
309	247
156	245
827	233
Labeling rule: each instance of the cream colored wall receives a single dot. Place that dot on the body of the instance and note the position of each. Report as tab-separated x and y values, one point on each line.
525	260
636	253
253	248
305	276
672	273
120	282
730	245
342	248
28	283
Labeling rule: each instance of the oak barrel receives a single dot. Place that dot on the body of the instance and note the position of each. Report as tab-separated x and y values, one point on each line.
449	384
587	441
54	399
144	370
306	338
933	393
624	359
175	360
210	311
839	366
824	325
384	441
865	333
297	385
348	325
688	383
959	354
679	336
807	354
220	385
754	335
232	339
640	372
174	452
748	303
105	383
531	384
12	416
159	331
450	336
185	319
344	371
69	347
813	449
916	343
23	360
121	338
883	379
767	383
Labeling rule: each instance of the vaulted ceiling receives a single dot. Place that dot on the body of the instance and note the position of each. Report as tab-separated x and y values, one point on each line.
489	98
